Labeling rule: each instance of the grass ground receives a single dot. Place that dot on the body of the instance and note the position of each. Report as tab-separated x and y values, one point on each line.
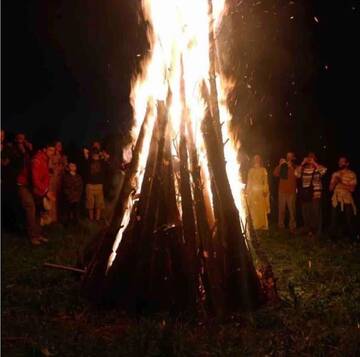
43	313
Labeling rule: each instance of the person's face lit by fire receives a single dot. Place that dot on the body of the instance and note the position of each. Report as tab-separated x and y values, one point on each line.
50	151
290	157
58	146
96	145
72	168
257	161
20	139
311	158
343	163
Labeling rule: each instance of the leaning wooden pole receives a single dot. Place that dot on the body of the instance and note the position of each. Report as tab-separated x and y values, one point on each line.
96	268
211	277
243	287
214	106
188	218
121	276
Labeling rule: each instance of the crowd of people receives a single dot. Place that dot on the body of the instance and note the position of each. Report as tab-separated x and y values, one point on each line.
304	183
52	187
49	186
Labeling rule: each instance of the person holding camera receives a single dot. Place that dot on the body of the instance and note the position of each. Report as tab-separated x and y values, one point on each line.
310	174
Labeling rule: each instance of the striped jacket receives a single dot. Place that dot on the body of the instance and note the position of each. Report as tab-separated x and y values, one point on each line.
308	172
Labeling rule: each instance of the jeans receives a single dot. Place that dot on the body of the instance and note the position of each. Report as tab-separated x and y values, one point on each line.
312	216
32	212
71	214
287	200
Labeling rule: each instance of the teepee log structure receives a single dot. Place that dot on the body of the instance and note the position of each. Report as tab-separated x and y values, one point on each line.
177	240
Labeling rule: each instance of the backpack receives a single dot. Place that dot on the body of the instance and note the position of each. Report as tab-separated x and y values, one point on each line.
307	193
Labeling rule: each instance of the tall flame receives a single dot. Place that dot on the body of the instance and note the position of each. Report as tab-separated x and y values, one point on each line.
178	34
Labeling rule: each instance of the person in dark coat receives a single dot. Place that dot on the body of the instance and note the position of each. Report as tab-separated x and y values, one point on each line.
72	190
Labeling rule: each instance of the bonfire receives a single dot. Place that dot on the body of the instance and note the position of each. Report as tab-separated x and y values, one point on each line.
180	238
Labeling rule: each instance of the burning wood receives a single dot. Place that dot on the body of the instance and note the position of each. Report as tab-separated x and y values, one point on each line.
175	240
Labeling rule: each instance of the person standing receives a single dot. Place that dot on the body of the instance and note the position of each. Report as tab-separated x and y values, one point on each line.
285	171
9	214
57	164
257	191
21	165
310	174
95	177
33	187
72	189
343	183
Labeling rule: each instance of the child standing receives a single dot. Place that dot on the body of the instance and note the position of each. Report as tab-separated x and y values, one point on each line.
72	189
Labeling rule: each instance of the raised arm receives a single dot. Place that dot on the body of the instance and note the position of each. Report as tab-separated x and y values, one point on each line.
320	169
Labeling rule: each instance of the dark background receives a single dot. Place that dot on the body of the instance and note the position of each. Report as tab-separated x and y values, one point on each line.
66	68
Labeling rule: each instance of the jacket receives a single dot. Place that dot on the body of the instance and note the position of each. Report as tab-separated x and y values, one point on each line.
40	173
72	187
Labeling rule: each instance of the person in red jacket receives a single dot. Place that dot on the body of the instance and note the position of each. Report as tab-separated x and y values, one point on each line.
33	186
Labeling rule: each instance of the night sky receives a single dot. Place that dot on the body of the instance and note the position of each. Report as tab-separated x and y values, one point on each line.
66	68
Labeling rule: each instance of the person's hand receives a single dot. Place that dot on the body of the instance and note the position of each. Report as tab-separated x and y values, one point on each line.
282	161
106	156
51	196
305	161
311	160
86	153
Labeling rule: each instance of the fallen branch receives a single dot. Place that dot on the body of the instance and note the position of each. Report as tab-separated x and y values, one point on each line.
64	267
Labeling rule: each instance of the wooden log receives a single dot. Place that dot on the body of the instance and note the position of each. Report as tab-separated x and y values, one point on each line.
188	218
243	287
64	267
167	269
213	104
145	238
131	172
97	284
124	283
264	268
210	275
104	242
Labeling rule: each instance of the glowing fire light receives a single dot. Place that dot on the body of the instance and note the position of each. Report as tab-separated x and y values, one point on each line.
179	32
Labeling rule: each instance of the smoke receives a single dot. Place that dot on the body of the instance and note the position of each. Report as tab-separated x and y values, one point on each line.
265	47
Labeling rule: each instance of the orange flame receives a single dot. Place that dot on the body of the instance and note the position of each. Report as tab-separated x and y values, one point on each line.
179	31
